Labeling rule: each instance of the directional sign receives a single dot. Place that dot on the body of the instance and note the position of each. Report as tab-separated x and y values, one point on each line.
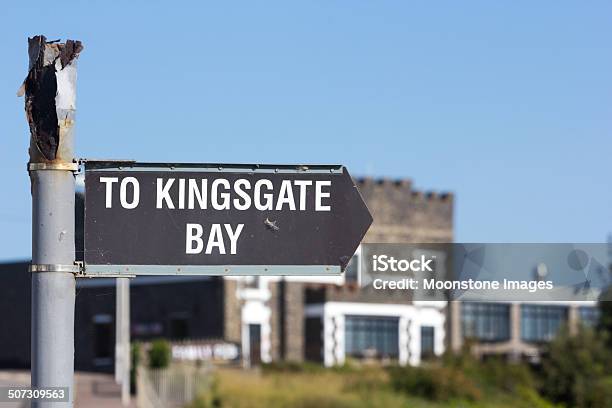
218	219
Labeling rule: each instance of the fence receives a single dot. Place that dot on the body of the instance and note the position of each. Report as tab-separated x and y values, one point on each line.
172	387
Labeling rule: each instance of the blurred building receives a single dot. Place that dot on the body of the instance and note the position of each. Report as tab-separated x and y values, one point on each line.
324	319
516	330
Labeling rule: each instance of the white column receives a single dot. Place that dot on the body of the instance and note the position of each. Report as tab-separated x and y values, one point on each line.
339	332
266	344
440	334
403	340
415	343
328	355
246	352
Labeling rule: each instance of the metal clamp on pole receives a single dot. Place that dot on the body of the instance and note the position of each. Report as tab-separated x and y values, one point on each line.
63	166
76	269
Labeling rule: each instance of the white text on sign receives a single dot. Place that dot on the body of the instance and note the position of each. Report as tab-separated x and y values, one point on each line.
220	194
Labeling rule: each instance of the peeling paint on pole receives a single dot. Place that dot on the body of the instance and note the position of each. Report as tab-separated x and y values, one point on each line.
50	98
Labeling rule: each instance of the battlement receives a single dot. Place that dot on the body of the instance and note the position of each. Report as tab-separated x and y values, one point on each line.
405	185
404	215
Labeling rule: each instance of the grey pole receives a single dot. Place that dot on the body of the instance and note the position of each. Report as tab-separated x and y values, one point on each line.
50	90
122	338
118	330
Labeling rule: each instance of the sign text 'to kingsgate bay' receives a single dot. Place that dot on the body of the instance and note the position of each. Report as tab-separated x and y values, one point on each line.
220	219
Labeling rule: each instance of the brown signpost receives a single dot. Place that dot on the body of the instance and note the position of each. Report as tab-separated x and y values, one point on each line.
219	219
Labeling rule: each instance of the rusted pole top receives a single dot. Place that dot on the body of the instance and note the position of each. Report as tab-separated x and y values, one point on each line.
50	98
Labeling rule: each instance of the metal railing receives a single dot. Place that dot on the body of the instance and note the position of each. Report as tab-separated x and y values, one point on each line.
171	387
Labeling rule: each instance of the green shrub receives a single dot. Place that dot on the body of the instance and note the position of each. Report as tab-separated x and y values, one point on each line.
529	398
602	393
324	401
350	366
291	367
434	383
160	354
504	375
605	317
209	398
575	367
135	357
366	380
494	372
205	401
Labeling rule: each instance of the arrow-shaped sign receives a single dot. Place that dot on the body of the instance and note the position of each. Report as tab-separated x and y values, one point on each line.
219	219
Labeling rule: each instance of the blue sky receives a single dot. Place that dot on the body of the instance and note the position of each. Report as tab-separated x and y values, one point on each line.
507	104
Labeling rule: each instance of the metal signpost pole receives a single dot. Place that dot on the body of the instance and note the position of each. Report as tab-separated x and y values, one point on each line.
122	341
127	360
50	95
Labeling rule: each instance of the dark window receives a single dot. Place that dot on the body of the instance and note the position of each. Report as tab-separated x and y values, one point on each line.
179	328
368	336
103	339
589	316
313	349
541	322
487	322
255	343
427	342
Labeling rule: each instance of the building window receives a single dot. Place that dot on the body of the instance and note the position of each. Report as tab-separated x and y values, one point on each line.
252	282
255	344
103	339
427	342
541	322
179	328
313	347
589	316
489	322
369	336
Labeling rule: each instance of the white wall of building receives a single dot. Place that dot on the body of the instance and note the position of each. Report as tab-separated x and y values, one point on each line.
255	311
411	319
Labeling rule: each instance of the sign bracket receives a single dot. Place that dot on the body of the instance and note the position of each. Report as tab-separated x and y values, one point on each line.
74	268
119	271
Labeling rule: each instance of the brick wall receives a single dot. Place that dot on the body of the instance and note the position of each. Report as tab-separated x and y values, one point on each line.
294	321
287	320
404	215
276	320
232	320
